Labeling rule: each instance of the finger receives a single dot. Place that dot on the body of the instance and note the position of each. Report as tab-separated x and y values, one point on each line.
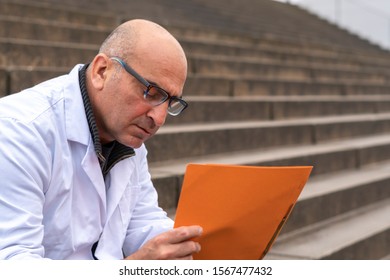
189	257
181	250
181	234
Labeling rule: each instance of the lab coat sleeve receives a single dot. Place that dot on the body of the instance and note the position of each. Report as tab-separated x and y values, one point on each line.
24	171
148	219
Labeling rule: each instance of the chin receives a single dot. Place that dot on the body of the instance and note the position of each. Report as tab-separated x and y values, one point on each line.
136	146
134	143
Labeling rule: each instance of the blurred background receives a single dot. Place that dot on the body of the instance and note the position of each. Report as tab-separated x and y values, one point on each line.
369	19
269	83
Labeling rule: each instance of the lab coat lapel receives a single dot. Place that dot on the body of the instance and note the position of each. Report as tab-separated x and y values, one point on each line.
120	176
111	239
77	130
91	167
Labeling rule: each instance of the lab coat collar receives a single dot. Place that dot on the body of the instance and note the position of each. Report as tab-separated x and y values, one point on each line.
77	130
76	121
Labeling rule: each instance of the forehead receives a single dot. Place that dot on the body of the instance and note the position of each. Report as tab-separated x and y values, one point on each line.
160	59
165	75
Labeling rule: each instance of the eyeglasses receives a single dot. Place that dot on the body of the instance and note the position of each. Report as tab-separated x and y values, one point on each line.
155	95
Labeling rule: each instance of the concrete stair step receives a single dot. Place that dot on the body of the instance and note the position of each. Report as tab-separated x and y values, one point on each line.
194	140
198	46
27	10
43	29
50	30
191	33
48	61
343	65
359	234
4	82
258	21
238	68
328	195
46	11
350	154
219	85
191	37
68	37
292	21
213	109
15	79
386	257
328	157
34	53
208	109
192	14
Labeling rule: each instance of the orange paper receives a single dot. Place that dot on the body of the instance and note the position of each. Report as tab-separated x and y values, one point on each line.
241	208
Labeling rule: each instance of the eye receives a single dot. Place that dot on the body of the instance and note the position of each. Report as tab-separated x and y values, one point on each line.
157	95
154	93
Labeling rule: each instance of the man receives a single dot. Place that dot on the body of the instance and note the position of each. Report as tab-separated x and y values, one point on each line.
74	175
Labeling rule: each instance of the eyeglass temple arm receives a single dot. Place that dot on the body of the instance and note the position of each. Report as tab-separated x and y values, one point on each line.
131	71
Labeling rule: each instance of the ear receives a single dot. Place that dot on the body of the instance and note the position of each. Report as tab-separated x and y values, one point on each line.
99	71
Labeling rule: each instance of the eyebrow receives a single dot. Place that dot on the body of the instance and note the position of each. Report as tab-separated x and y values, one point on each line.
153	83
169	94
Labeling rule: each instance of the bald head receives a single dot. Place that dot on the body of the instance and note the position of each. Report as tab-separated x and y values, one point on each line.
121	111
135	39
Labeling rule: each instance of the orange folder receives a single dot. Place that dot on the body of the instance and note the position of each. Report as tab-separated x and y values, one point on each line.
241	208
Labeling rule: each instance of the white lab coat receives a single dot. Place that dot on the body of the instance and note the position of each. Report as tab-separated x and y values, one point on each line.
53	198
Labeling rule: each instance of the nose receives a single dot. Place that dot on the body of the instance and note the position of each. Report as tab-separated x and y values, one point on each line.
158	114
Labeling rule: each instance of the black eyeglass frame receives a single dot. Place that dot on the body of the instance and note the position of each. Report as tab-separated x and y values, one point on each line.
164	94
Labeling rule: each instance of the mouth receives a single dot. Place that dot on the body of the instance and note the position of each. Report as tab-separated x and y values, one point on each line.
144	131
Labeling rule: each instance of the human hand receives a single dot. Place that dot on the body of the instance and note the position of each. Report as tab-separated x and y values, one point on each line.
171	245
